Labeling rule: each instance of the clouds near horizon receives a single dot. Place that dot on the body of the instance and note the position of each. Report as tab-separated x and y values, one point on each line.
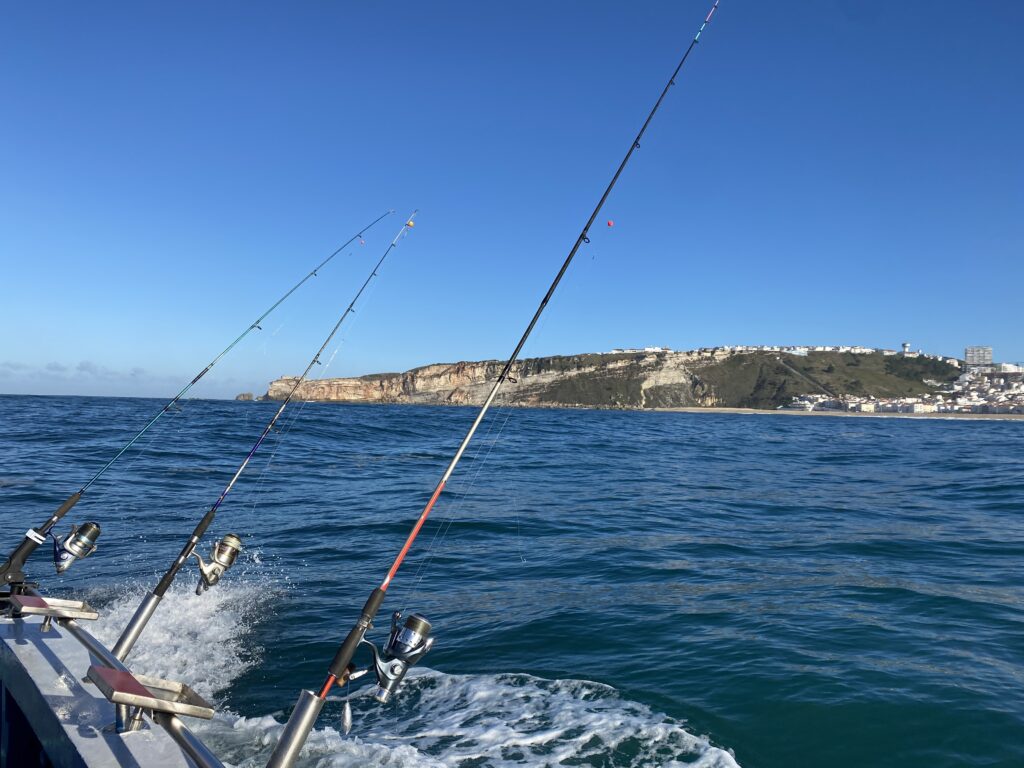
84	378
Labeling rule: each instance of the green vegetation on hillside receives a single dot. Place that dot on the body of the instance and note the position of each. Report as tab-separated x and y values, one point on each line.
755	380
768	380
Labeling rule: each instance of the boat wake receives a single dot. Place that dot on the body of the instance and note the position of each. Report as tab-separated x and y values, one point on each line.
481	720
215	622
438	720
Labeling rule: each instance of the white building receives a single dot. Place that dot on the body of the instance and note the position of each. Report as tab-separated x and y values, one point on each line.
978	355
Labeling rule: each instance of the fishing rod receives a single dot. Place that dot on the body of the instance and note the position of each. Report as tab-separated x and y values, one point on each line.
408	643
226	550
81	542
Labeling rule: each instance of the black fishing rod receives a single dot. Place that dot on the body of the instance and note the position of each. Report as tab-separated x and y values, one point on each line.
408	643
81	542
226	549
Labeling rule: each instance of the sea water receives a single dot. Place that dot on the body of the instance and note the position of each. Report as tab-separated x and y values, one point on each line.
607	588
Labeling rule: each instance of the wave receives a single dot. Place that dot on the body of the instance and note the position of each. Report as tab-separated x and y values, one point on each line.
201	640
14	482
481	720
437	719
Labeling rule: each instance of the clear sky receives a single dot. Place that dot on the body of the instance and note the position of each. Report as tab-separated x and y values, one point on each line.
826	172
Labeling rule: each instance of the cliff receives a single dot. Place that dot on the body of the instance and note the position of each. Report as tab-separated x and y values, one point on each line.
639	380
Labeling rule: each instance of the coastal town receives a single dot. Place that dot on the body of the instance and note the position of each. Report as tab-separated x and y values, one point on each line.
800	351
982	387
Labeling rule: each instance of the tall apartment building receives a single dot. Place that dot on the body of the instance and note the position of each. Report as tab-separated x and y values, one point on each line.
978	355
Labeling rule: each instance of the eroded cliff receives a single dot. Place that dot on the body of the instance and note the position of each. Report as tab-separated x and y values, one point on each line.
628	379
632	380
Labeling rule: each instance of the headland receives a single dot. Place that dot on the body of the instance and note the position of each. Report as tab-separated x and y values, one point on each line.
841	379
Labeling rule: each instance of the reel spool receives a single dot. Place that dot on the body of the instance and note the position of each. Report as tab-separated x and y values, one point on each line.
80	543
222	557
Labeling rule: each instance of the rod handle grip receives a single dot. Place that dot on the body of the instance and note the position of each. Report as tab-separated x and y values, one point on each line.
343	657
62	510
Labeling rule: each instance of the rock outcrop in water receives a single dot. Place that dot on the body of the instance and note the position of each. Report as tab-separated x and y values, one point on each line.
638	380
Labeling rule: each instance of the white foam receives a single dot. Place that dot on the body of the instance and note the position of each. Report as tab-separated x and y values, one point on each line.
198	639
481	720
436	720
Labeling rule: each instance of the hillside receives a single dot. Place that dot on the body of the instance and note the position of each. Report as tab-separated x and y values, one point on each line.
640	380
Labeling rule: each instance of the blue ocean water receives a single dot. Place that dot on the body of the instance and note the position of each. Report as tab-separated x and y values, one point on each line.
607	588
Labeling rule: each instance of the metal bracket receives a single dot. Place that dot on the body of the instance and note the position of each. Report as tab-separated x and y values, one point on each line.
149	692
52	607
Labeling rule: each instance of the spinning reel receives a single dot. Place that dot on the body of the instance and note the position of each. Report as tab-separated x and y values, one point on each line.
406	645
222	556
79	543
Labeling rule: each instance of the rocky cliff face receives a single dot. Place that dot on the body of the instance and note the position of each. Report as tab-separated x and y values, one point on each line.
637	380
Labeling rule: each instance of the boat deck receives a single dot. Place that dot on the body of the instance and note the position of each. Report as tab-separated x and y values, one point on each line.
52	718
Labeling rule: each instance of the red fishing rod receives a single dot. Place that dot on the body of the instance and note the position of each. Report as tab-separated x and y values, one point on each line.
407	644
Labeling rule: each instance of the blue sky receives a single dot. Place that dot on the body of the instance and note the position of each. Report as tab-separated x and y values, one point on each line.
826	172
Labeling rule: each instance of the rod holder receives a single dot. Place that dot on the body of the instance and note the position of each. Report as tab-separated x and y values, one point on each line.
304	716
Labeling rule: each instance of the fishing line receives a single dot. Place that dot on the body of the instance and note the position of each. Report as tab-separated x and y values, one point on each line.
284	431
278	439
465	489
519	534
290	423
458	503
176	419
273	335
279	436
180	408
